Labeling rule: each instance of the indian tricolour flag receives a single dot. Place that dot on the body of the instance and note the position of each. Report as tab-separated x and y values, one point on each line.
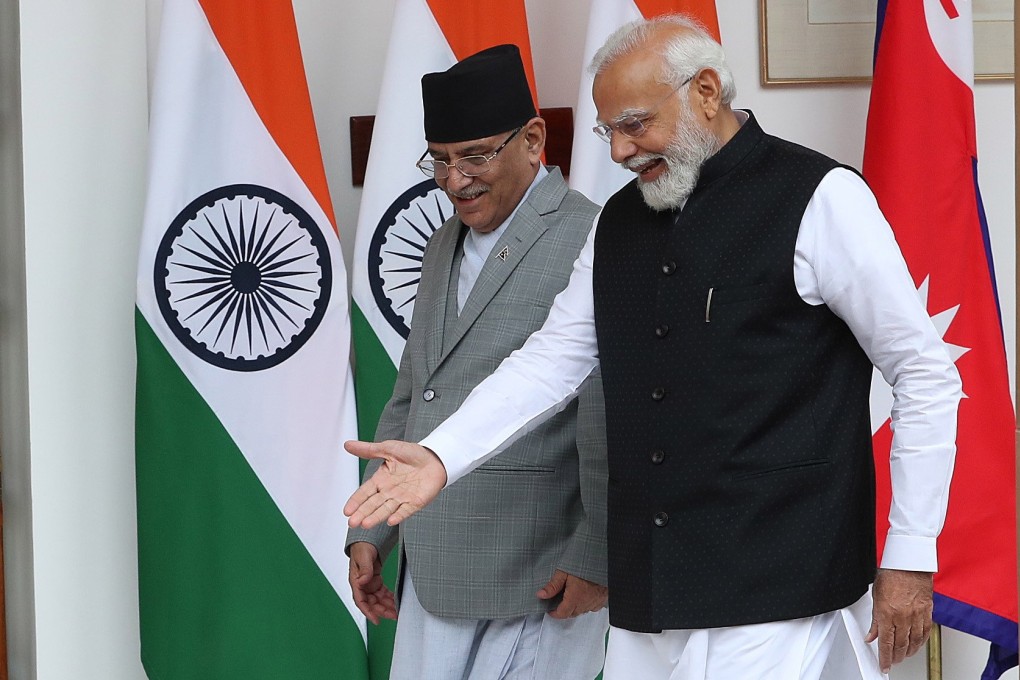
400	207
244	388
592	171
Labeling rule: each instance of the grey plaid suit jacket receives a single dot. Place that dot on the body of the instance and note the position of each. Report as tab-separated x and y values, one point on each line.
493	538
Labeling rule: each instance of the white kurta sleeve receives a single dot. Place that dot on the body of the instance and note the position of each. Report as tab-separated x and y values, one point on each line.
847	258
531	384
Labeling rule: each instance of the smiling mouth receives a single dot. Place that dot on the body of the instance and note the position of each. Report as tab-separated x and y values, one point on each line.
466	195
647	167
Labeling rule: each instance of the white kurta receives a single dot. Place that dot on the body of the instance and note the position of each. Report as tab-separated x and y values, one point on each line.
846	258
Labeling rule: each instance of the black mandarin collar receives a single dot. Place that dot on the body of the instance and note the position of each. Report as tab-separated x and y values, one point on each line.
732	153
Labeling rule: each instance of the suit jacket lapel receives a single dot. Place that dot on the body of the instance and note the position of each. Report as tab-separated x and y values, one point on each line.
446	250
527	227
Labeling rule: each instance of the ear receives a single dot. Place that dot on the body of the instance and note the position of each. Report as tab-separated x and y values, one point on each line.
706	92
534	135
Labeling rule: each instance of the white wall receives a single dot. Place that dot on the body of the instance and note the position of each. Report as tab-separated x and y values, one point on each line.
84	131
68	482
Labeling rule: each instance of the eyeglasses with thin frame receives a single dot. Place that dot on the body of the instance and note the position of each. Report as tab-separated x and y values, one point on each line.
469	166
633	126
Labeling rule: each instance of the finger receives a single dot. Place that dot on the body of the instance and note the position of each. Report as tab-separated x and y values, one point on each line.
926	629
361	571
365	520
901	643
919	630
591	603
357	578
363	494
565	610
388	605
372	510
361	600
366	450
386	509
384	609
554	586
886	642
917	639
403	511
359	593
574	600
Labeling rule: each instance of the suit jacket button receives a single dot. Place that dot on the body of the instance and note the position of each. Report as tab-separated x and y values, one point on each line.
661	519
658	456
668	267
662	330
429	394
658	394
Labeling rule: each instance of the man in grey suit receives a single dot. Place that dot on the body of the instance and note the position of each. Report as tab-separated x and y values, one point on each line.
503	576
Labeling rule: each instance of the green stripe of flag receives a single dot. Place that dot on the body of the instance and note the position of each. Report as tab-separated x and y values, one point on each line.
227	589
374	375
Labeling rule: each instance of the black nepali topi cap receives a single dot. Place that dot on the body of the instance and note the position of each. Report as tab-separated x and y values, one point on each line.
483	95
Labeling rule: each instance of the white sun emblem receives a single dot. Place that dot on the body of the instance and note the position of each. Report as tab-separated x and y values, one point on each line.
881	392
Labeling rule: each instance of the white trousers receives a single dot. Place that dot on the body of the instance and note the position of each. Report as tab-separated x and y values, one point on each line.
825	647
533	647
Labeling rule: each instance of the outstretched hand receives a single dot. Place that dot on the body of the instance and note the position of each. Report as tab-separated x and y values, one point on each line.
410	477
901	619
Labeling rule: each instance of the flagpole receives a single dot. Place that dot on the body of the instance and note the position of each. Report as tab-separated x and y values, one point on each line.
935	653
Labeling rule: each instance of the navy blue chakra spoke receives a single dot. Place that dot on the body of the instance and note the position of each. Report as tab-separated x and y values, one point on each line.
243	277
395	252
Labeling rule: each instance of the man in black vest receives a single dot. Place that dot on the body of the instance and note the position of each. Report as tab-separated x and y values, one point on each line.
736	296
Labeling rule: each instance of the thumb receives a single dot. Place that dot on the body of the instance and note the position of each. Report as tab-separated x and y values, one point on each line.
872	632
366	450
362	561
554	586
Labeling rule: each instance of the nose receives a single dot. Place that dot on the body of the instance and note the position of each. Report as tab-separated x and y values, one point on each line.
621	147
457	180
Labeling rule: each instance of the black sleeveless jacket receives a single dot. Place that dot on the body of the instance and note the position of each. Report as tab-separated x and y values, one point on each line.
741	481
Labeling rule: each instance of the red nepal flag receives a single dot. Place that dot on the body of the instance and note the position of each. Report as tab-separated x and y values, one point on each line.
920	159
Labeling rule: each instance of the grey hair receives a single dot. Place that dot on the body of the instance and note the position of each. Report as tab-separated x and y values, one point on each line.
684	54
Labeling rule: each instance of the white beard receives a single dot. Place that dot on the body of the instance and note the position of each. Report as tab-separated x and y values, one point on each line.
692	145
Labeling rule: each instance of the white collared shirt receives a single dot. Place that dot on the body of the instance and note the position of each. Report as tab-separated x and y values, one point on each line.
478	246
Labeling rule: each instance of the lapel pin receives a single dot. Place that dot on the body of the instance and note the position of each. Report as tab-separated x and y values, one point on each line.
503	254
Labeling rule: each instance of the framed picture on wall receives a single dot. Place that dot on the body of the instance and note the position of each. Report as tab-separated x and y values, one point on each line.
822	41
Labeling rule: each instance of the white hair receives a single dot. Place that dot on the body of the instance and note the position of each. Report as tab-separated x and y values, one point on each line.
683	56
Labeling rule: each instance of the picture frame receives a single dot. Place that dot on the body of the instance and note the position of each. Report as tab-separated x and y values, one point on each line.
832	41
